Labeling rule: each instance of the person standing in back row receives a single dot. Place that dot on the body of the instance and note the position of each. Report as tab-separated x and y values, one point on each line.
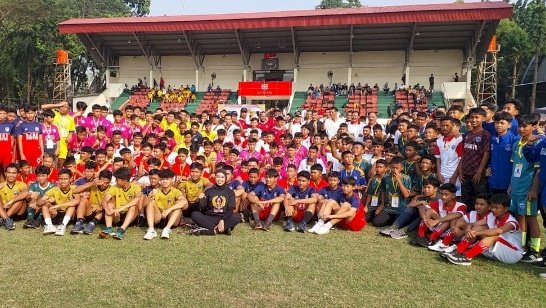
431	83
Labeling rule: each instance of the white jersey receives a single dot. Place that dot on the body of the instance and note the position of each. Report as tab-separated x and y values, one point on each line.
449	152
508	247
473	217
443	210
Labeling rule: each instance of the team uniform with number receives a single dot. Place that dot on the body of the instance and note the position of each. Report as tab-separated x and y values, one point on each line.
6	143
61	196
522	180
358	221
124	196
264	194
508	248
8	192
32	149
165	201
297	194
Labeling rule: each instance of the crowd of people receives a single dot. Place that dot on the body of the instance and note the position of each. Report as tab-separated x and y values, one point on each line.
465	183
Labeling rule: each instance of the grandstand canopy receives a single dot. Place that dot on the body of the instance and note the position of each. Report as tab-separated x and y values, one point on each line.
465	26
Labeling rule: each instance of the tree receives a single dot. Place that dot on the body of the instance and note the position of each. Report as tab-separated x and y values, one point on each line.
333	4
514	47
531	16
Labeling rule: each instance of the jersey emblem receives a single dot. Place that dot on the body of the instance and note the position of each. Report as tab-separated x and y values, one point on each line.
478	139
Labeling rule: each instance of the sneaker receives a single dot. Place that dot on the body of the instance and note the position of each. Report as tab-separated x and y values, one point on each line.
540	264
141	221
120	234
78	228
246	215
438	246
106	232
315	227
201	231
543	275
258	225
421	241
322	230
399	234
166	233
531	256
289	226
1	222
61	229
49	229
387	231
29	223
37	223
450	249
458	259
302	226
89	228
150	234
9	224
267	226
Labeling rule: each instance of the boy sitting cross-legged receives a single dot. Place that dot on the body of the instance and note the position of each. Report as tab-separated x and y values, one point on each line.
90	205
120	202
60	199
265	201
167	205
300	203
497	236
36	191
347	211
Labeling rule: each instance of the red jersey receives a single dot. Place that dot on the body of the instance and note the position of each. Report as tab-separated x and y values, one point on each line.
27	179
318	186
181	169
30	133
286	183
53	176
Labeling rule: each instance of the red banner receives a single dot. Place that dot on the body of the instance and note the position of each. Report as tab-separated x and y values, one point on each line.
268	88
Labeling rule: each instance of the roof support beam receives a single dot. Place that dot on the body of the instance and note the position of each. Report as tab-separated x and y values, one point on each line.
295	48
153	57
409	49
473	45
245	54
194	50
351	37
98	51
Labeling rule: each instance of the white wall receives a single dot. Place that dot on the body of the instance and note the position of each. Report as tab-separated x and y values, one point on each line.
228	69
373	67
442	63
130	69
176	71
314	67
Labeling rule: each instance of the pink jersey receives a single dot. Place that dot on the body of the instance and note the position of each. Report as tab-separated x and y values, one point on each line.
126	132
81	121
51	132
302	153
246	155
76	145
93	124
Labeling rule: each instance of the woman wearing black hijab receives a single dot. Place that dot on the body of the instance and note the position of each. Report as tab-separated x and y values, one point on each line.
217	204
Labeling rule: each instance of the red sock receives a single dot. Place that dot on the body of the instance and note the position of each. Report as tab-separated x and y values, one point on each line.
463	245
448	238
477	249
435	235
422	230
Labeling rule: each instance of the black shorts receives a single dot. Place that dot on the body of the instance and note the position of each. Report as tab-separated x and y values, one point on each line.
192	207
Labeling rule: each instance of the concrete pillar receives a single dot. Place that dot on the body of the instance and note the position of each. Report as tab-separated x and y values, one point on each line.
197	79
349	76
407	72
151	79
245	74
295	81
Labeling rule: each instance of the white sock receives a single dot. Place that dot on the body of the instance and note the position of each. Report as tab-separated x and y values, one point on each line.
320	222
66	220
48	221
328	225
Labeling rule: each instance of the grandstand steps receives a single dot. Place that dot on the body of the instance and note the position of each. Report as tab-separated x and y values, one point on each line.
340	102
153	106
116	104
437	99
299	99
383	102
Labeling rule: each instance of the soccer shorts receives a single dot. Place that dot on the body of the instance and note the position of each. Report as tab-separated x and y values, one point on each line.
34	158
266	211
63	148
357	223
520	205
6	158
504	251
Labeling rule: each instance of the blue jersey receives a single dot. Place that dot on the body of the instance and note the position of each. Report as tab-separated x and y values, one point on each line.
250	187
501	166
332	194
6	132
356	174
296	193
234	184
523	171
264	193
81	181
353	200
30	129
490	127
537	153
514	127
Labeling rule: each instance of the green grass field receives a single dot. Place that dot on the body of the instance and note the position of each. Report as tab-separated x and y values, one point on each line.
251	269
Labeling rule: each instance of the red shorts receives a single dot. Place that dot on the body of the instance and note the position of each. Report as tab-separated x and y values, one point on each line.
299	212
34	159
6	158
266	211
357	223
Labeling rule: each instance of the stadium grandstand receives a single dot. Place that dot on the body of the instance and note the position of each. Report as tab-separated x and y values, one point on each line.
358	57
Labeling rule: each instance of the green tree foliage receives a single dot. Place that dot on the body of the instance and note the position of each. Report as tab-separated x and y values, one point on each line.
29	38
515	47
333	4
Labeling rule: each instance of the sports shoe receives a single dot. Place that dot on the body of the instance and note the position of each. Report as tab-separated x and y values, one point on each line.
302	226
150	234
399	234
421	241
322	230
37	223
450	249
29	223
258	225
267	226
438	246
61	229
78	228
387	231
543	275
458	259
315	227
1	222
289	226
531	256
106	232
89	228
50	229
201	231
120	234
166	233
540	264
9	224
246	215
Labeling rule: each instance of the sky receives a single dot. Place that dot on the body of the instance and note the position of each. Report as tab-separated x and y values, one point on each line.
192	7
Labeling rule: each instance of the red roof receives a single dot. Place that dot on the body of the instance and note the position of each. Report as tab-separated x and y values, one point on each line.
305	18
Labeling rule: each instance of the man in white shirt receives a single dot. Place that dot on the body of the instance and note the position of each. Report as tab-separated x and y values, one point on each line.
355	126
331	124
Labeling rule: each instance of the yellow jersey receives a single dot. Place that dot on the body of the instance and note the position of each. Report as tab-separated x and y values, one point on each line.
8	192
210	136
124	196
61	196
165	201
96	195
193	189
65	124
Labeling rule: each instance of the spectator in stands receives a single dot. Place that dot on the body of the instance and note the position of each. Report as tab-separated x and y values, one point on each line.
456	77
431	83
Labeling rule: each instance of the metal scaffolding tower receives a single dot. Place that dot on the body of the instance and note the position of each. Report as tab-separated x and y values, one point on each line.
486	84
62	82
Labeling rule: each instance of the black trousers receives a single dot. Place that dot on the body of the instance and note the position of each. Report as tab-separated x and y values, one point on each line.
210	222
383	219
469	191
